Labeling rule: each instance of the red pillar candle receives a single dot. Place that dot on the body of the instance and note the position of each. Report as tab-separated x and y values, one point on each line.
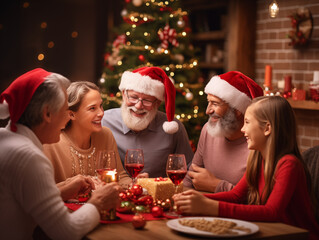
268	76
287	83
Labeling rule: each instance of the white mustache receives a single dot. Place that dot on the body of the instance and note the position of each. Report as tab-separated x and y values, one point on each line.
133	108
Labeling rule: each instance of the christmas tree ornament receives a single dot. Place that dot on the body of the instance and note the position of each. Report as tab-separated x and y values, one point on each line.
138	221
145	200
157	211
126	207
137	190
123	196
168	35
123	12
166	205
141	58
181	23
127	1
140	209
137	3
189	96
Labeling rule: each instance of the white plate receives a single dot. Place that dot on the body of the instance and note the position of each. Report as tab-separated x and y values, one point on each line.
175	225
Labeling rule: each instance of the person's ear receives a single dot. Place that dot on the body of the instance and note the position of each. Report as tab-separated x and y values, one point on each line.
47	115
71	115
267	130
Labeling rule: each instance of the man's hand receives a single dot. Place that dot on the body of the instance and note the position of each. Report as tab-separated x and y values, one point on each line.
74	186
143	175
202	179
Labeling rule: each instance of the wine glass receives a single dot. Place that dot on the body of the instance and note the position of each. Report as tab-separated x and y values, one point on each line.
176	169
134	162
106	172
106	166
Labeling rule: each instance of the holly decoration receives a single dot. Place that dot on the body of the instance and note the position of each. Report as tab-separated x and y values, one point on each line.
138	221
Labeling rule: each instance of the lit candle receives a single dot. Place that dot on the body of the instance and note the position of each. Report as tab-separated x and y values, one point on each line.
108	176
316	77
268	76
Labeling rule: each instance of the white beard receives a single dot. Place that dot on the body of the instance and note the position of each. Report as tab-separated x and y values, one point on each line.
225	126
135	123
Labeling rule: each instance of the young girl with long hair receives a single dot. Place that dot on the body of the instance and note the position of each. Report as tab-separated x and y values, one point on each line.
276	186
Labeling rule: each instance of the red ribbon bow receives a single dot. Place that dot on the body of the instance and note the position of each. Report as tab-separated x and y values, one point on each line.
120	40
168	35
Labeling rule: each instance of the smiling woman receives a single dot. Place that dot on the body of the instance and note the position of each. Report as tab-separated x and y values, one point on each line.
83	137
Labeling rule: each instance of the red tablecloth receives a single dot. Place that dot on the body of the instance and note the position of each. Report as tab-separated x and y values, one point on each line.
122	217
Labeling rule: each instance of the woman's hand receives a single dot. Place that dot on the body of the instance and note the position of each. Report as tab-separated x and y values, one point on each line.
194	203
106	197
74	186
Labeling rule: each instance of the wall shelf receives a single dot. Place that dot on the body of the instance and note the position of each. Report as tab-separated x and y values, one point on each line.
306	104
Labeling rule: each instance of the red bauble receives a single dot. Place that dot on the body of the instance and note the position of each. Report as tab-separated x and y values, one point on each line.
138	221
127	1
157	211
145	200
123	196
136	190
141	58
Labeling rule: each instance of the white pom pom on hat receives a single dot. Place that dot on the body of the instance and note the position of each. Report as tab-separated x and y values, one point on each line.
4	110
153	81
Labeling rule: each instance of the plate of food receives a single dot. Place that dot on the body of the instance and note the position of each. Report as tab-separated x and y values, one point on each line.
213	227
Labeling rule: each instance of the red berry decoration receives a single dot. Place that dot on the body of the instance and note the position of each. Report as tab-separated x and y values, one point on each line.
157	211
136	190
138	221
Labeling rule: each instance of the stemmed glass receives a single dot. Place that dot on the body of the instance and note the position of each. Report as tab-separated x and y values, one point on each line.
176	169
134	162
106	166
106	172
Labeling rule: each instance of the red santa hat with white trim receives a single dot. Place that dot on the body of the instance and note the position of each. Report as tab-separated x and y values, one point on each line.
153	81
234	88
15	99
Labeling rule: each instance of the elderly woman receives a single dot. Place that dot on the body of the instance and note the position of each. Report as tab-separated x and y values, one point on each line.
36	103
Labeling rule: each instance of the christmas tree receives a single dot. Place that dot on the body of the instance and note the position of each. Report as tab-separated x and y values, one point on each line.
157	33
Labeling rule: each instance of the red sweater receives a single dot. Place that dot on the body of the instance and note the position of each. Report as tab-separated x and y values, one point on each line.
289	201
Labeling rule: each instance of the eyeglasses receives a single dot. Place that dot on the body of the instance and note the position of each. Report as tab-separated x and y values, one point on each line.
135	100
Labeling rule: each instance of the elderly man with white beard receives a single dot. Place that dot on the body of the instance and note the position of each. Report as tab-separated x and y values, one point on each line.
139	124
220	159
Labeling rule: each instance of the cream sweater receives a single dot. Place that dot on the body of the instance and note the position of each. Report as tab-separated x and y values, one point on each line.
66	163
29	195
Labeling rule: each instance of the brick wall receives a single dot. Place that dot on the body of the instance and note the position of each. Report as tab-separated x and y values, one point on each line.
272	48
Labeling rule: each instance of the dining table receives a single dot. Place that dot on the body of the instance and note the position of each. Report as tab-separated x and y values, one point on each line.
158	229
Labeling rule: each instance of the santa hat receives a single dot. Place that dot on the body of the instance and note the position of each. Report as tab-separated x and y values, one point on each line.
15	99
234	88
153	81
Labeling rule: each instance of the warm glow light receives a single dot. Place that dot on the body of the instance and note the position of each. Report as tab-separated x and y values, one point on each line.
44	25
146	34
26	4
133	26
119	63
102	80
51	44
74	34
128	33
40	57
184	34
181	85
201	93
167	69
152	51
166	51
172	74
273	9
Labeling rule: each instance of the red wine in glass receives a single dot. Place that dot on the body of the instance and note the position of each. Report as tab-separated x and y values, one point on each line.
134	168
176	169
134	162
176	176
